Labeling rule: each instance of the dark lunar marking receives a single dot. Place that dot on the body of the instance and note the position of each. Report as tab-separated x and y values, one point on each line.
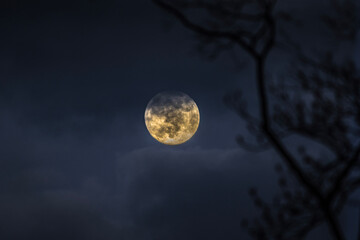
171	99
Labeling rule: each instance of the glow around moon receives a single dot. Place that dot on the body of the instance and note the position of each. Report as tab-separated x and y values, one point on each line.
172	118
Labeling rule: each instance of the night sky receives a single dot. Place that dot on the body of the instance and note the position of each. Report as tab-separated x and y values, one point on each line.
77	161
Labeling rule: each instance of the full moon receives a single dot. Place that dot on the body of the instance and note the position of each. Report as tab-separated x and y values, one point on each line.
172	118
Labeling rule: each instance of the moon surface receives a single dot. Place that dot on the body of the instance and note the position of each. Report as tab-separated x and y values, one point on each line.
172	118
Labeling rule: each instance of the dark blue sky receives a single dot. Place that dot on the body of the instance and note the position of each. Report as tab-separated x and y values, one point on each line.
77	161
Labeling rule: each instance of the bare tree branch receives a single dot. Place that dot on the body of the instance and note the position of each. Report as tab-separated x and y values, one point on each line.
201	30
339	181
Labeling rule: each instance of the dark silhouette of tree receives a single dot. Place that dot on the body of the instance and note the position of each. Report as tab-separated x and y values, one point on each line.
321	104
